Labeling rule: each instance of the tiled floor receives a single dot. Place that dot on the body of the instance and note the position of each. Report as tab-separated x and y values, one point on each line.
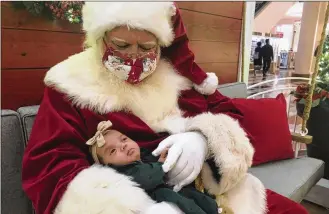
294	120
273	85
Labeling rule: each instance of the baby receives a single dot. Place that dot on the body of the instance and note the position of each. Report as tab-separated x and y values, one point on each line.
114	149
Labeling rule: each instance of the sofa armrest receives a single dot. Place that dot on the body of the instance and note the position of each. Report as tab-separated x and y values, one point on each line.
301	139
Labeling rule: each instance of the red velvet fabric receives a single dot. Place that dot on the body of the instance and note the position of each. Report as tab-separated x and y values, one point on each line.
56	151
277	204
266	121
180	54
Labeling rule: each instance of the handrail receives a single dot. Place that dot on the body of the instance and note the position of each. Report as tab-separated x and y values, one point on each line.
271	90
277	80
296	144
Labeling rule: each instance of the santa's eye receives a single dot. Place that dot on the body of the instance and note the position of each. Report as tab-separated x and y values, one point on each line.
112	151
121	45
147	47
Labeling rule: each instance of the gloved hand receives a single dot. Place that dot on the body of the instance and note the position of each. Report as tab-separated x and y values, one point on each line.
163	208
186	155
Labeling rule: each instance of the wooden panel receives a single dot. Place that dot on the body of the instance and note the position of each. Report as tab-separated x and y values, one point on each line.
200	19
35	49
226	72
227	9
21	87
206	27
21	19
207	33
210	52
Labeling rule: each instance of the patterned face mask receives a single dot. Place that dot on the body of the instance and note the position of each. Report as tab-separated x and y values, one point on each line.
130	70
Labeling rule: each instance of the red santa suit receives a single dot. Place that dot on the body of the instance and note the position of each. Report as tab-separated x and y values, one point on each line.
58	172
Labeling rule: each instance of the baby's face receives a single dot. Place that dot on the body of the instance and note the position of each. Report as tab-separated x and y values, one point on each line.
118	149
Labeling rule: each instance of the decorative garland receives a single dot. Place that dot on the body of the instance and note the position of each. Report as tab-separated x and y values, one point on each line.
62	10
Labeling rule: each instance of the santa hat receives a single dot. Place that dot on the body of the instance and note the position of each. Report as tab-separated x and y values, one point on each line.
155	17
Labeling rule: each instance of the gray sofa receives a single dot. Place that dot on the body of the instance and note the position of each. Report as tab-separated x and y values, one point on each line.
291	178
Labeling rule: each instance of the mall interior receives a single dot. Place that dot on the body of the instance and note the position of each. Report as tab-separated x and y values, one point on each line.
290	104
294	30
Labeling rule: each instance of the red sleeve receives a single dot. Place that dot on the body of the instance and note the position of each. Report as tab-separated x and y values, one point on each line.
180	54
55	152
218	103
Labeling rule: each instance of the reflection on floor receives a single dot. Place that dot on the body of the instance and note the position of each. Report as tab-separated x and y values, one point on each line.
273	85
294	121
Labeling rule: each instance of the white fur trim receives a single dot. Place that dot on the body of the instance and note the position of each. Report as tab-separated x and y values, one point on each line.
88	84
173	124
101	190
228	145
155	17
208	86
248	196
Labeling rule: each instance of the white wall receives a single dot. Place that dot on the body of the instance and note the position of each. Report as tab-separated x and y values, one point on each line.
271	15
287	30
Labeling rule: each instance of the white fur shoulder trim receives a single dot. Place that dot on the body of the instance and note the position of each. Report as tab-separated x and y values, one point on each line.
88	84
101	190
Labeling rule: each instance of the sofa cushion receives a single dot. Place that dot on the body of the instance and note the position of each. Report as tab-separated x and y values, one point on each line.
28	115
13	198
266	121
291	178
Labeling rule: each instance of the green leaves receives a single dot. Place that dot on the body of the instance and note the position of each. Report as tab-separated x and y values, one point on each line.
315	103
302	101
323	75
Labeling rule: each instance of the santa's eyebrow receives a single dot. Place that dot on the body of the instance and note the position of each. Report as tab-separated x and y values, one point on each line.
142	43
119	40
148	43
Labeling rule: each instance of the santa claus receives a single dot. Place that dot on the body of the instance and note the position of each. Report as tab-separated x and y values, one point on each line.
139	73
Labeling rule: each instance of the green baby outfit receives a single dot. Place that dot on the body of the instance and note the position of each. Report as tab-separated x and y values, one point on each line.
149	175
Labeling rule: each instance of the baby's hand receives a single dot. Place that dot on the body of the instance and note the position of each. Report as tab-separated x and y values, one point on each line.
163	156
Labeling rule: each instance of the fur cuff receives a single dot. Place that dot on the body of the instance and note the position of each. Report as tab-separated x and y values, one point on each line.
228	145
248	196
208	86
101	190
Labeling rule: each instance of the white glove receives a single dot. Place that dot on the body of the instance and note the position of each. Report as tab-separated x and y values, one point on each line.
163	208
186	155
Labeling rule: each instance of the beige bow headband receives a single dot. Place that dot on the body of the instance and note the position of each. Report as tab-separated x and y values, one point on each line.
98	140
